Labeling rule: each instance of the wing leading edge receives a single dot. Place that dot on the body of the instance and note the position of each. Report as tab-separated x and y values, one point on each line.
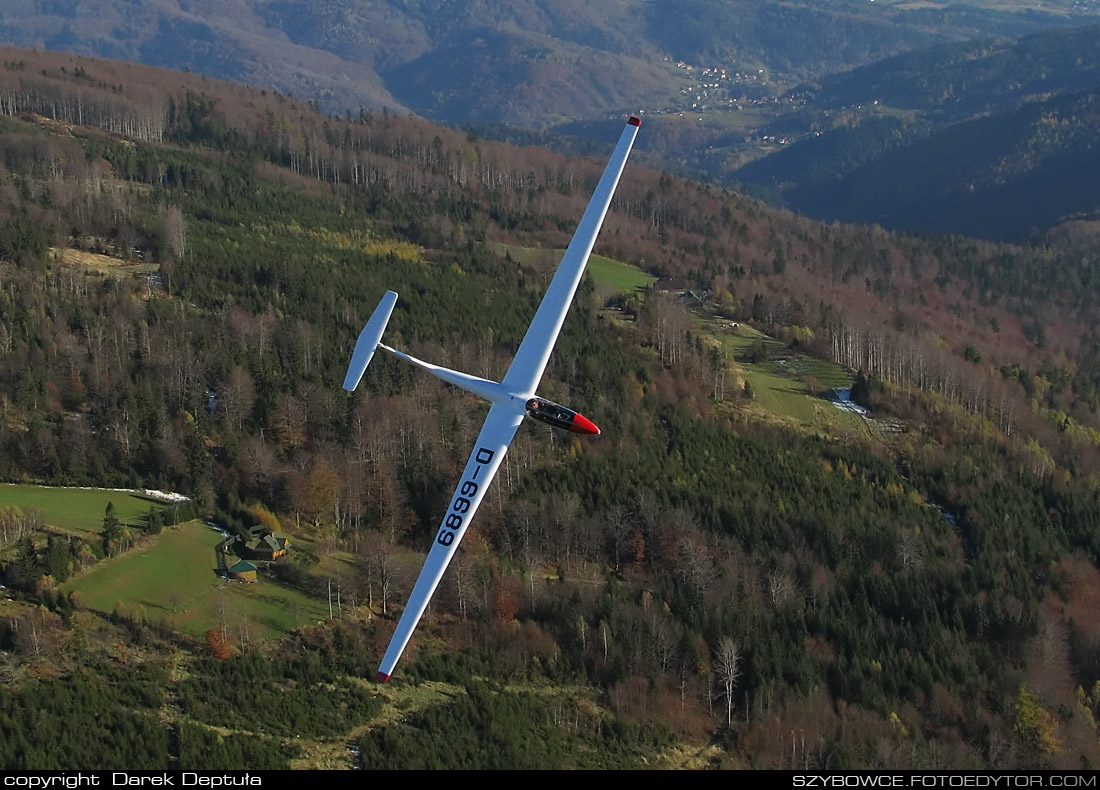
508	399
534	352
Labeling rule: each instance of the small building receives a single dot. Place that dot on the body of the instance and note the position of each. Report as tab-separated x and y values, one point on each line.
278	544
263	545
243	571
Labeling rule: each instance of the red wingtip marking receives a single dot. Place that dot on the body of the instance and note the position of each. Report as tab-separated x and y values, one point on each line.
383	677
582	424
635	121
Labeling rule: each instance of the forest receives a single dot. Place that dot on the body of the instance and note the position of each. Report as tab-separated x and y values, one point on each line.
184	267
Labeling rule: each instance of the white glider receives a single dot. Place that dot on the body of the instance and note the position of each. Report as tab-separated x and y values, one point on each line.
511	399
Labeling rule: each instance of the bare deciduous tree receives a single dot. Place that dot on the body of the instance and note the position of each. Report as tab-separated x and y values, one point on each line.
727	668
385	573
781	588
462	579
174	232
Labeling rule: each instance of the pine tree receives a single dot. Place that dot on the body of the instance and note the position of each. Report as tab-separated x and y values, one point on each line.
27	563
112	529
861	390
58	559
153	522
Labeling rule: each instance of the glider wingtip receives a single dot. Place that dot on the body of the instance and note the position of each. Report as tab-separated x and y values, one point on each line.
635	120
351	382
383	677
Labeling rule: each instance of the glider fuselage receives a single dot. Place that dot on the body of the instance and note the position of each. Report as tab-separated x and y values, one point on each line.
557	416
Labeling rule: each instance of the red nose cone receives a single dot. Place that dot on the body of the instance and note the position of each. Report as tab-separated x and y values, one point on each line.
582	424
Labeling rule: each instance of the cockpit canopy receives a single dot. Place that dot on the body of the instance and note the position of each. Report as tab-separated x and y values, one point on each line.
559	417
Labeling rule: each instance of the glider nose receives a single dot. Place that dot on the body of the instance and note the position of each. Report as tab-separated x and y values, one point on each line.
582	424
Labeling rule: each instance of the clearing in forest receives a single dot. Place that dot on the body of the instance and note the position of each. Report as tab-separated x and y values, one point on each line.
611	277
785	382
78	510
103	264
171	578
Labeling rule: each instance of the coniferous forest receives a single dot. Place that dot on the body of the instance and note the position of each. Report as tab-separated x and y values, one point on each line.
704	585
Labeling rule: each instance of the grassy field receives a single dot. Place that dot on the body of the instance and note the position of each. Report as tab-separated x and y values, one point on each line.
103	264
611	277
76	509
339	565
614	277
171	578
781	384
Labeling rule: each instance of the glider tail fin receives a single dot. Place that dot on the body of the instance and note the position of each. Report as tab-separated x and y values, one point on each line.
368	341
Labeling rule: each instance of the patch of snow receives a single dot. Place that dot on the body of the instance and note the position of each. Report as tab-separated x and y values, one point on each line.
167	496
843	400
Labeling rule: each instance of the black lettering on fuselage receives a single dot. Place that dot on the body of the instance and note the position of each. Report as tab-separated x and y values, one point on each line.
461	504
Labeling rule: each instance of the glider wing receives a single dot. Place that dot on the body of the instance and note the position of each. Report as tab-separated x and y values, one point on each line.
500	426
509	398
534	352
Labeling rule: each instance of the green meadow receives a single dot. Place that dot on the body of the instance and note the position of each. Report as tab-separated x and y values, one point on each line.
781	385
610	277
172	578
613	277
77	509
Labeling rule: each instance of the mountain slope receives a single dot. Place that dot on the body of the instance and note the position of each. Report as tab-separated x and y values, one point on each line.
988	139
568	60
957	80
1007	176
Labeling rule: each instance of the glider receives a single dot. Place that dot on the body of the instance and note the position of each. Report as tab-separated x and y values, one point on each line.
511	399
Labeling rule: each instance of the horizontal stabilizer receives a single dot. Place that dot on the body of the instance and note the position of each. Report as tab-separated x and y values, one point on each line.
368	341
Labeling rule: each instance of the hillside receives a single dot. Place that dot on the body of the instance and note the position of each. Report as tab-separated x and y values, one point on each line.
1007	176
774	96
911	589
984	138
531	62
